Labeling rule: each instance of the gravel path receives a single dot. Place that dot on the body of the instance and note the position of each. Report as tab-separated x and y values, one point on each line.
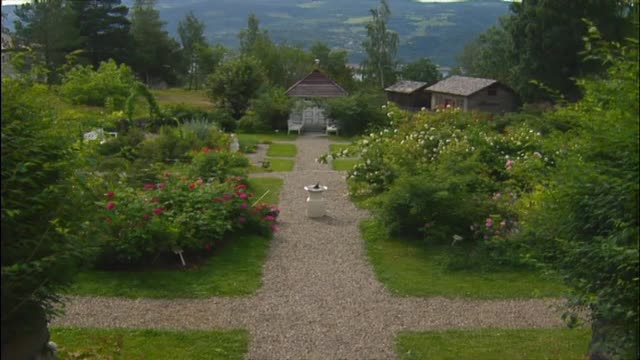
320	298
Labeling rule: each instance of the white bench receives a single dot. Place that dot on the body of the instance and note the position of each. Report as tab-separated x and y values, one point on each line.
332	127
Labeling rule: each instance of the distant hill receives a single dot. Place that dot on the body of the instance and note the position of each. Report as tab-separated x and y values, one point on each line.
435	30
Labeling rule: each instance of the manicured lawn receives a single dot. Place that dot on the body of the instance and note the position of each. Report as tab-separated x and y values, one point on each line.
196	98
409	268
343	164
149	344
266	138
491	344
260	185
283	150
235	270
340	138
337	147
274	165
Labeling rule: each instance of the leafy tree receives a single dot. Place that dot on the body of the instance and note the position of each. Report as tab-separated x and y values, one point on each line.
334	62
272	108
208	58
235	83
156	53
547	37
48	26
103	27
381	47
421	70
583	223
191	32
252	35
41	227
490	55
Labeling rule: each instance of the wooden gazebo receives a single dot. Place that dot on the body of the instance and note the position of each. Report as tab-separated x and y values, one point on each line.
310	91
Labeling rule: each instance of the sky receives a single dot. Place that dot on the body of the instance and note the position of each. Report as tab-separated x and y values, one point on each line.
14	2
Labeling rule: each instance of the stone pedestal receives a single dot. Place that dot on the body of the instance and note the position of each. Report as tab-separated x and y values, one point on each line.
315	202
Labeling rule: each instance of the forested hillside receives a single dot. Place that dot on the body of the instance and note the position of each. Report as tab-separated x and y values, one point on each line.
434	30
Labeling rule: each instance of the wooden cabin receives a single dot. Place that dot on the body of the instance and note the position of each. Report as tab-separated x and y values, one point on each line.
470	93
409	95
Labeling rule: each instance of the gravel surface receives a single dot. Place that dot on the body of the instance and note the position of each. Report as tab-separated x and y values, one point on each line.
320	298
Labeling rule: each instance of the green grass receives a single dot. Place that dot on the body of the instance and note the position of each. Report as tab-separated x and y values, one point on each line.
410	268
235	270
260	185
266	138
196	98
337	147
343	164
491	344
150	344
283	150
280	164
340	138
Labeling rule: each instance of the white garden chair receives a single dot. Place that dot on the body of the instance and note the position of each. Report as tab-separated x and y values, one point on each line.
295	123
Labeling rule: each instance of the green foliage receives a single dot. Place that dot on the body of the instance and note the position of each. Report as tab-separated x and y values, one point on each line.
356	113
249	123
103	28
48	26
489	344
235	83
136	90
381	47
421	70
193	216
109	83
156	54
272	108
217	164
102	344
42	232
584	222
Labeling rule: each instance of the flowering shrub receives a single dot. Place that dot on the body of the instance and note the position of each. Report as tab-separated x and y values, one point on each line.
216	164
178	213
434	174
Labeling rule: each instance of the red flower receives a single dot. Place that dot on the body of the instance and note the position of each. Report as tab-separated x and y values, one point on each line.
205	149
274	228
107	220
111	205
149	186
242	219
241	187
243	195
110	194
192	186
147	217
270	218
161	186
158	211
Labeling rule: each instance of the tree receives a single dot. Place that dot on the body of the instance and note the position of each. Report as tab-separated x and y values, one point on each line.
547	37
208	58
156	53
334	62
252	35
235	83
421	70
191	32
381	47
104	30
583	222
48	27
490	55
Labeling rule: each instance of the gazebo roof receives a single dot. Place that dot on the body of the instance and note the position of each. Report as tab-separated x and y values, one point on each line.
316	84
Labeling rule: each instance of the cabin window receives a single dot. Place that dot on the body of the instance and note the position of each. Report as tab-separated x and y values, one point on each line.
492	91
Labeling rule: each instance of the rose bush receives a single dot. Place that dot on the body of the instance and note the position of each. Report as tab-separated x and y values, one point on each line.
182	213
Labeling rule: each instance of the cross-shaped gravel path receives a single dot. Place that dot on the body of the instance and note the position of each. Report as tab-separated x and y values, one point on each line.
320	298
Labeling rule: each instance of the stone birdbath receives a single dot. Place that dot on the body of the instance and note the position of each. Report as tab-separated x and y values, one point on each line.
315	201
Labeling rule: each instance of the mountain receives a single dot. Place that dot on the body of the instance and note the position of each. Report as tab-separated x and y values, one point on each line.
435	30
